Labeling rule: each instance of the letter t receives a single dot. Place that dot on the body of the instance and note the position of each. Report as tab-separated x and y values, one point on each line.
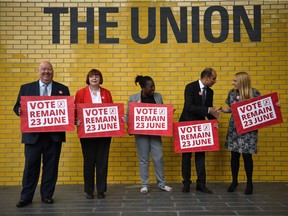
55	21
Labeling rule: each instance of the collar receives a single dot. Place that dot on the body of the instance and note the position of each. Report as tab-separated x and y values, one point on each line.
99	90
41	83
201	84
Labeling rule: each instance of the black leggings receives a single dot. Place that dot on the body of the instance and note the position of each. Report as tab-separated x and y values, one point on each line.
248	165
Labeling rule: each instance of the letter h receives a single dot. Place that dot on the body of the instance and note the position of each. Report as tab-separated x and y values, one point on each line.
89	24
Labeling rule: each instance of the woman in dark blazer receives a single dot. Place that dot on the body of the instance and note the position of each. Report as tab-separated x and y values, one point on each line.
95	150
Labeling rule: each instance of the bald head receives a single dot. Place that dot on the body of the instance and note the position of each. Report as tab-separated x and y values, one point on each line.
45	72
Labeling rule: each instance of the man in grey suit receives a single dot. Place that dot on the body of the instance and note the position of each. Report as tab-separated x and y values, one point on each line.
198	106
45	144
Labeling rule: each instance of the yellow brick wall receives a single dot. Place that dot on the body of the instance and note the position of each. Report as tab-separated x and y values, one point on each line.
26	40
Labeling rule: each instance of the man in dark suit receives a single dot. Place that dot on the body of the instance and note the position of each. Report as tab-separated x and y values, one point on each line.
198	106
46	144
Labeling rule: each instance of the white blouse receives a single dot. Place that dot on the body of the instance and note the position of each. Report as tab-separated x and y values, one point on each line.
96	98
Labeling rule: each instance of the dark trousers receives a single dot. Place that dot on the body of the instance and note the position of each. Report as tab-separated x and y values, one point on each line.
49	151
248	165
200	168
96	154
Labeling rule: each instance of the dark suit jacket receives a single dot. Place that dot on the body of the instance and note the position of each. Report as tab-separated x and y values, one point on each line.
193	109
33	89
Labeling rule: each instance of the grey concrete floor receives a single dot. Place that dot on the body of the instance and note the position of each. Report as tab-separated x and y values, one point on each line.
126	200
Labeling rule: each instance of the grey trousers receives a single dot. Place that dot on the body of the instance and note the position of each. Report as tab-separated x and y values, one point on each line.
146	144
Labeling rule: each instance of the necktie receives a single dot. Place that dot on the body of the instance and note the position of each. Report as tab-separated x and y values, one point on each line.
203	95
45	92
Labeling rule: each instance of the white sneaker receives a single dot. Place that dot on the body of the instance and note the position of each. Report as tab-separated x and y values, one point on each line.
167	188
144	190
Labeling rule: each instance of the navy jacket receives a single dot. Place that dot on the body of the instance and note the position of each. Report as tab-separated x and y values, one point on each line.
193	109
33	89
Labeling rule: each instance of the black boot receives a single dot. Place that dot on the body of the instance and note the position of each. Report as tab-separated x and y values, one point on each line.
232	187
248	164
234	169
249	189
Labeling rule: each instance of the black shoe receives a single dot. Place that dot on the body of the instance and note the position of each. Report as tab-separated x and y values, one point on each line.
249	189
101	195
203	189
186	188
232	187
23	203
47	200
89	196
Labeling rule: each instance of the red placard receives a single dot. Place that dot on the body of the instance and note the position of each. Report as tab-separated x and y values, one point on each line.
100	120
196	136
256	113
150	119
47	113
